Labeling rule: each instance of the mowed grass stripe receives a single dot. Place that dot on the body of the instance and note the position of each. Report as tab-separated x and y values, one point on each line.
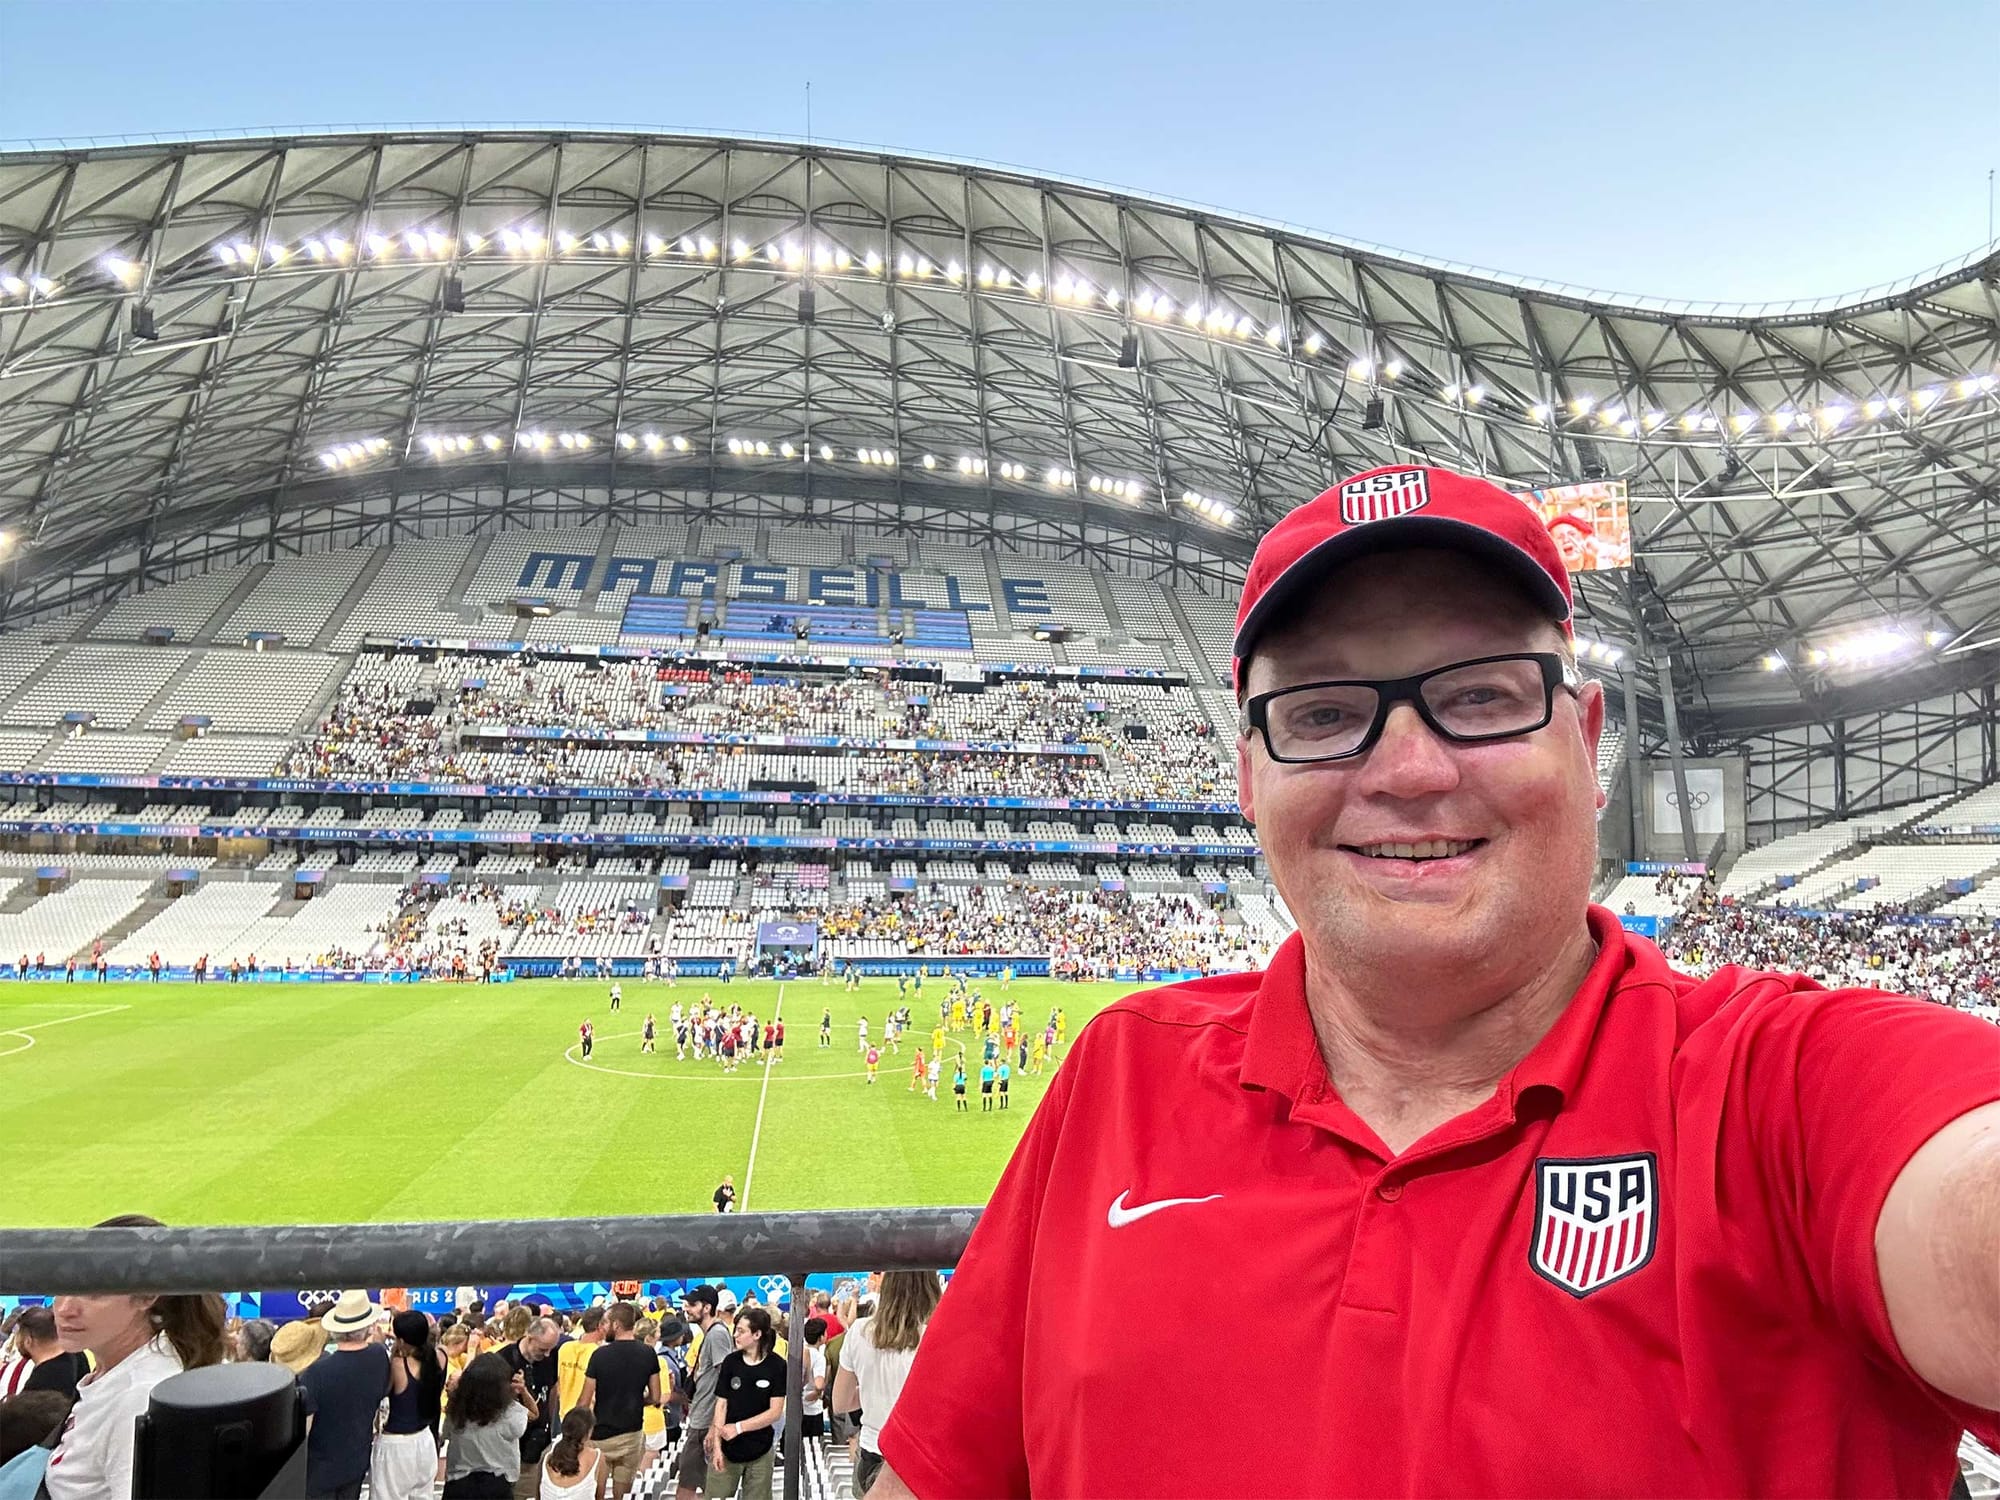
335	1103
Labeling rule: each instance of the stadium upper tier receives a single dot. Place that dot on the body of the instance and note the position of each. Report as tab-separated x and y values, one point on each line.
287	348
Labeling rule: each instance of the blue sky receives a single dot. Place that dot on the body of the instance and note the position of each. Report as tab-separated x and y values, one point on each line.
1735	151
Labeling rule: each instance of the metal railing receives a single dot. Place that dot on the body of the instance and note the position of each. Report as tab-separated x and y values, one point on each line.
48	1262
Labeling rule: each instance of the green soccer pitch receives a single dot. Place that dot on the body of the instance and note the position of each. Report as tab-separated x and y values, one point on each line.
343	1103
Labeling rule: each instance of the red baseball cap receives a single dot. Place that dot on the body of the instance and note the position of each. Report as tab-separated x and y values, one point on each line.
1386	509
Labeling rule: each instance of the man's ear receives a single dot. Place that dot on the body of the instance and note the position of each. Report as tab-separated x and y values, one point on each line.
1245	796
1590	714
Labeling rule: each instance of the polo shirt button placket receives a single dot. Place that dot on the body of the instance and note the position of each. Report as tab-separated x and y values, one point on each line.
1389	1192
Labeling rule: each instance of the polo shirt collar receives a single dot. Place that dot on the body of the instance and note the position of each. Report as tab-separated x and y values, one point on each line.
1281	1052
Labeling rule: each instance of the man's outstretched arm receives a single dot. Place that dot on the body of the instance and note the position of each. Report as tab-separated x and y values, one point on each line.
1937	1245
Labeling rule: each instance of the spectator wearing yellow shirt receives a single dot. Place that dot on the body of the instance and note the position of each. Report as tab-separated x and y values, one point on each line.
573	1354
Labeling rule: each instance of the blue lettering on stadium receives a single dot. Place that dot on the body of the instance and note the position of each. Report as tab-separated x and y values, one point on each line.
637	570
1025	596
556	570
831	586
685	573
762	583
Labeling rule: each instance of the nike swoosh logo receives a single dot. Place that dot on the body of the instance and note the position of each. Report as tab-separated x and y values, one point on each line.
1119	1215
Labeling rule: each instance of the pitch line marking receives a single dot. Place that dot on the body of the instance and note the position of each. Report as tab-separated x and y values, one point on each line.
757	1130
27	1033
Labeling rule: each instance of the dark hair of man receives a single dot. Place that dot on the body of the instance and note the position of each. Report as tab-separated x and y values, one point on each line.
815	1330
592	1316
623	1317
27	1419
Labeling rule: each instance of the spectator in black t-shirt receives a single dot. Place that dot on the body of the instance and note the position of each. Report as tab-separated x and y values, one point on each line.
620	1382
342	1390
53	1370
750	1388
533	1358
725	1196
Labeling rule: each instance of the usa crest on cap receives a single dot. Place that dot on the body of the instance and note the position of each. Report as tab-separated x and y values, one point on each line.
1597	1219
1380	497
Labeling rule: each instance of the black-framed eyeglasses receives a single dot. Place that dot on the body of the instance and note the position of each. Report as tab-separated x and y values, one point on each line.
1466	702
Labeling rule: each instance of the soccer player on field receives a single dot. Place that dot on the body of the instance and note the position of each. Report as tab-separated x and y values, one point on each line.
937	1040
916	1072
861	1034
616	993
826	1026
585	1034
646	1034
1545	1215
874	1061
931	1078
958	1082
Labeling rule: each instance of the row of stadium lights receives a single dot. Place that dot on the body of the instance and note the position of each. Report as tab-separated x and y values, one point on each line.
446	446
1071	291
1630	423
1867	648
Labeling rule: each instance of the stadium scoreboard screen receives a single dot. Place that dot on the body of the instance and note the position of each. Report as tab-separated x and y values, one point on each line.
1591	523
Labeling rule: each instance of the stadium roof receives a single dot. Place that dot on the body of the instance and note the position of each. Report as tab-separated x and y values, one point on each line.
209	348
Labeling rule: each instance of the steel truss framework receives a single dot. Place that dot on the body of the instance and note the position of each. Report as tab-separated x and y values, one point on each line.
838	300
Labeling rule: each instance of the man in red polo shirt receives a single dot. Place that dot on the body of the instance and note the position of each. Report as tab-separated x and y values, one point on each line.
1568	1222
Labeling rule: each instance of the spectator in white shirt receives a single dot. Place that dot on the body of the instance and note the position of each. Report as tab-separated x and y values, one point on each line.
875	1360
136	1341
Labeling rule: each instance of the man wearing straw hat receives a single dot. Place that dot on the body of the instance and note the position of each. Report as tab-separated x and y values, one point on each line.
343	1389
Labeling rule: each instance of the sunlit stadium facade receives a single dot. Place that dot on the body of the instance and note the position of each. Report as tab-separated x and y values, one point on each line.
227	351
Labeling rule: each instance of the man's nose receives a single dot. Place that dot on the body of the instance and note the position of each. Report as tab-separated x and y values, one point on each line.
1410	758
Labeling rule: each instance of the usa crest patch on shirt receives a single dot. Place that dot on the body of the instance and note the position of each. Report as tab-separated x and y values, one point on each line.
1597	1219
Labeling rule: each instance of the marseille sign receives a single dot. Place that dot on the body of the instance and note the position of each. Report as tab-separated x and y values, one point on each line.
768	583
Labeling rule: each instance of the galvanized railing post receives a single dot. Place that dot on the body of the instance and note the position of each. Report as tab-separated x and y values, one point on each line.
795	1391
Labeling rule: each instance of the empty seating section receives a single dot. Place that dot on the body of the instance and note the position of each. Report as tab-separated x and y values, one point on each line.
1214	624
341	922
1759	870
182	607
64	922
111	754
1897	872
19	746
225	755
111	683
295	598
1610	755
724	539
1981	808
1640	896
404	597
591	917
247	689
206	921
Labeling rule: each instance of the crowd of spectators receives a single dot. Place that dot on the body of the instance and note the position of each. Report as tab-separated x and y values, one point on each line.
369	733
1894	948
1084	934
523	1401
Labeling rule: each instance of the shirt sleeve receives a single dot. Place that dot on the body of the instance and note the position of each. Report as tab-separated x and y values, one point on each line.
1841	1090
957	1431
